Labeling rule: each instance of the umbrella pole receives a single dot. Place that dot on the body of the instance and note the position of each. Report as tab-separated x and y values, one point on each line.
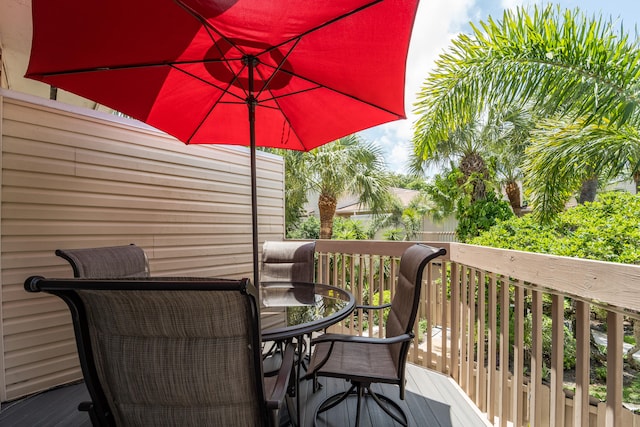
251	105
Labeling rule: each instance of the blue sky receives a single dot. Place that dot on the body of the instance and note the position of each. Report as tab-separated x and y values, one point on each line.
437	23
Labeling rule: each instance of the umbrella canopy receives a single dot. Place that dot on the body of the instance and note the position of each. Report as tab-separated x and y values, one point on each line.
294	74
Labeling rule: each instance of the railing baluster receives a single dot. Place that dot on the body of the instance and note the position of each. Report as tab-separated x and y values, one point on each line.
615	334
470	332
504	352
557	356
536	359
518	356
462	316
583	350
454	317
492	348
431	294
481	381
442	297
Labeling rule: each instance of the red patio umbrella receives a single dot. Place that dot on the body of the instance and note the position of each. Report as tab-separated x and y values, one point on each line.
286	74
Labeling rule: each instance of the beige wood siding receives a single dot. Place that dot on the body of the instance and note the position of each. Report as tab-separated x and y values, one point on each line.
77	178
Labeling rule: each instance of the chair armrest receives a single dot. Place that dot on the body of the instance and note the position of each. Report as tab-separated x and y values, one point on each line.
275	399
373	307
359	339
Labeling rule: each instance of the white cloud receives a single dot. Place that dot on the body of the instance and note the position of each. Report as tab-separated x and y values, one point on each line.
436	24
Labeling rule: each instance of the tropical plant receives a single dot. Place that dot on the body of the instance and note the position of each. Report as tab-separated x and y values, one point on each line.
465	146
560	65
475	218
405	221
295	189
605	230
346	166
309	228
348	229
566	154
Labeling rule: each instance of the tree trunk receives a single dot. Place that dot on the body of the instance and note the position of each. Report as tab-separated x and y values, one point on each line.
470	164
588	190
513	193
636	180
327	208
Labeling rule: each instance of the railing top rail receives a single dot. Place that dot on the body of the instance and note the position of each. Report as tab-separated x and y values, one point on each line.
604	282
372	247
600	282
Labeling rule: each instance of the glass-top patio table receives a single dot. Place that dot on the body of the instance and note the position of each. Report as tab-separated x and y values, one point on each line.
309	307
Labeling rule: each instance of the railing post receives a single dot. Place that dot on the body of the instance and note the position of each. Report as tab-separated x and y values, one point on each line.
481	378
454	341
536	360
583	350
504	352
557	356
492	347
518	356
615	333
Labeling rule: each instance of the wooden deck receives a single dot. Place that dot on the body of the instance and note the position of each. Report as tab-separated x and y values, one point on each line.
432	399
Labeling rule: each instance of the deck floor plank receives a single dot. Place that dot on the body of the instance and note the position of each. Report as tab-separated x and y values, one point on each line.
431	399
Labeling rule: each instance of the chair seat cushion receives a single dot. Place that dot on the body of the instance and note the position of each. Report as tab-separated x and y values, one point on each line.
357	361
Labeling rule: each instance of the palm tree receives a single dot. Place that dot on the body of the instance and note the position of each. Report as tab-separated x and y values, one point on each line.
565	154
464	146
560	64
514	126
346	166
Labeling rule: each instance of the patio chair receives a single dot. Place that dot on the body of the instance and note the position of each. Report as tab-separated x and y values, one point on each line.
283	261
107	262
287	261
171	351
365	360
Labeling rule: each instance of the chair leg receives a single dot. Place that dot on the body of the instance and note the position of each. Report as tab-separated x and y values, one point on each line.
359	407
384	402
361	391
332	401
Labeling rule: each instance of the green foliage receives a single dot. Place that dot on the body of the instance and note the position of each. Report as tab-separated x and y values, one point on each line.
444	192
309	228
386	299
343	229
607	230
475	218
410	182
575	74
569	360
348	229
632	392
422	329
394	234
557	60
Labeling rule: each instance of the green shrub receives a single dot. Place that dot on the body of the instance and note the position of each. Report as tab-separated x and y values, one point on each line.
607	230
386	299
569	360
478	217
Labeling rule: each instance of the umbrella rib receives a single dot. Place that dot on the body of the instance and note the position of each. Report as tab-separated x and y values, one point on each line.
278	68
320	85
128	67
324	24
209	28
206	24
207	82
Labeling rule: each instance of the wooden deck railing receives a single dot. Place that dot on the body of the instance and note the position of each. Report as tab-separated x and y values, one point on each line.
499	323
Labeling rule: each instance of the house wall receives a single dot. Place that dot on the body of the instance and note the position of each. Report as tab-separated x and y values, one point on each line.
73	178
